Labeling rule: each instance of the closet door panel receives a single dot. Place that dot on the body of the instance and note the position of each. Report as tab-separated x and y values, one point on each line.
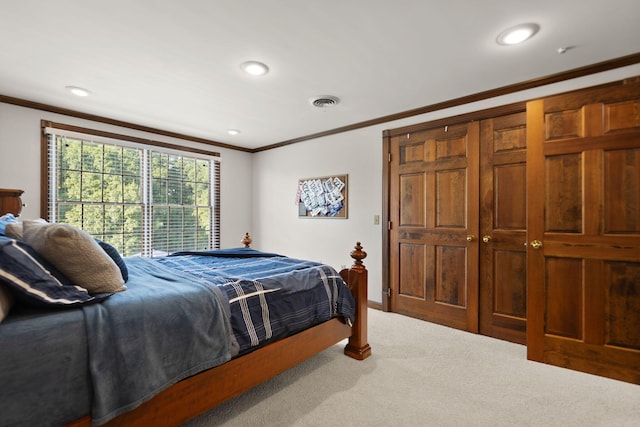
583	265
622	312
563	193
511	191
433	248
622	191
564	297
510	288
503	223
413	274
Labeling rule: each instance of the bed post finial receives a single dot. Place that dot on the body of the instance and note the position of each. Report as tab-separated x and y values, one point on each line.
246	241
357	280
358	255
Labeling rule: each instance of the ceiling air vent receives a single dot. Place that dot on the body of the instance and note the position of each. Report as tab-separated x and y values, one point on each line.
324	101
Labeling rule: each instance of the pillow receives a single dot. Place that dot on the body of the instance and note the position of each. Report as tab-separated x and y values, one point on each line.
6	301
14	229
116	257
6	219
24	273
76	254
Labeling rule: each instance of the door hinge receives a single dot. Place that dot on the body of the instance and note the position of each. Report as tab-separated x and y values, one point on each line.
387	292
389	157
389	225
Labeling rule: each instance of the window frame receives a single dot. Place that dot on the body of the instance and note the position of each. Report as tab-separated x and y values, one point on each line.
104	137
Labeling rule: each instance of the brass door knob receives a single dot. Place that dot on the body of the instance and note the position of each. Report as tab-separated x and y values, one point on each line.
470	238
486	239
536	244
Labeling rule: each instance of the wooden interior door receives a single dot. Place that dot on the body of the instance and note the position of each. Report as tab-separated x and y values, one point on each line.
433	271
583	168
503	228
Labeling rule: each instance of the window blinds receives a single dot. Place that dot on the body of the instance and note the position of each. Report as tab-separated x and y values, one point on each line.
144	200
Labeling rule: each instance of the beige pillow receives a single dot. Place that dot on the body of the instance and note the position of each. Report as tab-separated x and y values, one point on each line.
14	229
6	301
75	254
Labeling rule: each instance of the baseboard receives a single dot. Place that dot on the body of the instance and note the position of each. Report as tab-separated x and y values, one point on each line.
375	305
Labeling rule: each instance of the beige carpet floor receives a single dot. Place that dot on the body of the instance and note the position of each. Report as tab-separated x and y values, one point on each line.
423	374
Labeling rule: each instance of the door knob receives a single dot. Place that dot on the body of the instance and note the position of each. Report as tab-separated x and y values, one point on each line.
470	238
536	244
486	239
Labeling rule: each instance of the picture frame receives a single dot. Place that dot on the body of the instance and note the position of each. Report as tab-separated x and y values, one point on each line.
323	197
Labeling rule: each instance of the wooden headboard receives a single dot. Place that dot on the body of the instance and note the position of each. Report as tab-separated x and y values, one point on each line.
10	201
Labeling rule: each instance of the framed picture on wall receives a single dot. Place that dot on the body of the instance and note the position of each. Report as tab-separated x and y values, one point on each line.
323	197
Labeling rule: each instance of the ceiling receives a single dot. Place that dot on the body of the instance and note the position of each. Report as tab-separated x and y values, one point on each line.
175	65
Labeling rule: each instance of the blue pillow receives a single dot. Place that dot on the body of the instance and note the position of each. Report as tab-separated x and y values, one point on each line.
6	219
29	278
116	257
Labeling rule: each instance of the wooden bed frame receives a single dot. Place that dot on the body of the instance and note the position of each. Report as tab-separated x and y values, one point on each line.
202	392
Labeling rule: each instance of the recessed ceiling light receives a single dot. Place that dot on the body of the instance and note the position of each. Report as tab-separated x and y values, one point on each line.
78	91
254	68
517	34
233	131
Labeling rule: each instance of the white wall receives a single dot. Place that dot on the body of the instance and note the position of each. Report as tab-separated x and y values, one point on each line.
358	153
20	166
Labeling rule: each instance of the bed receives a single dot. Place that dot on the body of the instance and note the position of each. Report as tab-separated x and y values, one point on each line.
130	358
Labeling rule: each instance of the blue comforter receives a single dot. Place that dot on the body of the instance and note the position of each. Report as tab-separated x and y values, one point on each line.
180	315
270	296
162	329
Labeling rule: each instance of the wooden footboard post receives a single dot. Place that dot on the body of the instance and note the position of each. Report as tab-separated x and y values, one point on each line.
356	278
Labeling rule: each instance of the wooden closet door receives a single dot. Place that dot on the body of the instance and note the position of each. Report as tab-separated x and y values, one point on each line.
583	170
433	266
503	228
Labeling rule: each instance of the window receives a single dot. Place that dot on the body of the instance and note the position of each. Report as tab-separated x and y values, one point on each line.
143	199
